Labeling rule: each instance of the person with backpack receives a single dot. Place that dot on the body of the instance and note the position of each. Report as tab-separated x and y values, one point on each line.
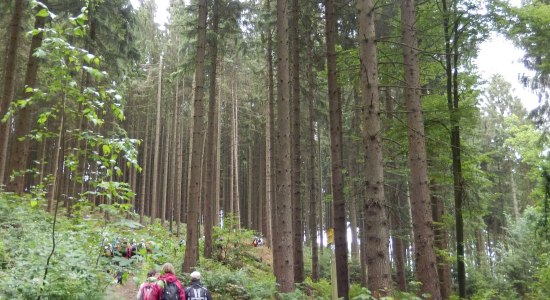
170	287
149	290
195	290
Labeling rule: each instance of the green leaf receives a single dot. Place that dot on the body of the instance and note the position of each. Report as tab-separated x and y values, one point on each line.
34	203
43	13
106	149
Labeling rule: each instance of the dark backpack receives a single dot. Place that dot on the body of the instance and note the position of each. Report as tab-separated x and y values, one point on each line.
147	291
195	293
170	292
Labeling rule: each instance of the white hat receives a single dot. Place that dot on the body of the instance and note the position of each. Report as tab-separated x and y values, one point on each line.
195	275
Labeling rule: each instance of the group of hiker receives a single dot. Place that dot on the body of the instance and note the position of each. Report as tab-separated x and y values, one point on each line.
125	248
165	285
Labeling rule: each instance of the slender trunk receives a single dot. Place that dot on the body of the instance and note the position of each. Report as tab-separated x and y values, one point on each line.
426	271
156	152
311	175
235	151
283	241
9	85
165	170
513	192
335	114
269	141
57	157
23	119
250	165
191	257
144	171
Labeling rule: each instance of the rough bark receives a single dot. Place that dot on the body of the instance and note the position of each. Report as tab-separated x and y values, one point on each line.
283	240
378	262
297	224
191	257
426	269
335	116
441	243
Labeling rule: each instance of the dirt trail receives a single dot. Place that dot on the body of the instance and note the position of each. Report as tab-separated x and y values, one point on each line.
127	291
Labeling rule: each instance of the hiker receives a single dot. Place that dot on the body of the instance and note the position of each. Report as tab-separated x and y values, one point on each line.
149	290
171	288
195	291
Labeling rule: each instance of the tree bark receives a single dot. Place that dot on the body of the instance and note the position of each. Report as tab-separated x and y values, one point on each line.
283	240
156	151
295	155
9	85
426	271
441	243
335	116
191	257
311	175
378	262
210	188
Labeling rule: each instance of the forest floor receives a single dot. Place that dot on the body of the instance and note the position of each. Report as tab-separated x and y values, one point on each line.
127	291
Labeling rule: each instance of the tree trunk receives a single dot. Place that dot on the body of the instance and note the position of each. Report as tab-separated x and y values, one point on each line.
23	120
210	187
156	151
269	141
165	169
311	175
378	262
297	225
57	157
144	171
235	152
283	240
335	115
9	85
193	208
426	271
179	162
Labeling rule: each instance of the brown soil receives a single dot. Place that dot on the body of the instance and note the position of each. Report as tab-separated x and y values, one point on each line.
127	291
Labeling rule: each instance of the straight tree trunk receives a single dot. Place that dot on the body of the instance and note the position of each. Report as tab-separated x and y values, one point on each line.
249	197
179	162
335	115
210	188
156	152
9	84
165	170
269	141
311	175
57	157
297	224
144	171
191	257
283	240
426	270
23	119
378	261
455	150
235	151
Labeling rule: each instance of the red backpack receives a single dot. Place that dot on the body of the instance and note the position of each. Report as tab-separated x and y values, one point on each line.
148	291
